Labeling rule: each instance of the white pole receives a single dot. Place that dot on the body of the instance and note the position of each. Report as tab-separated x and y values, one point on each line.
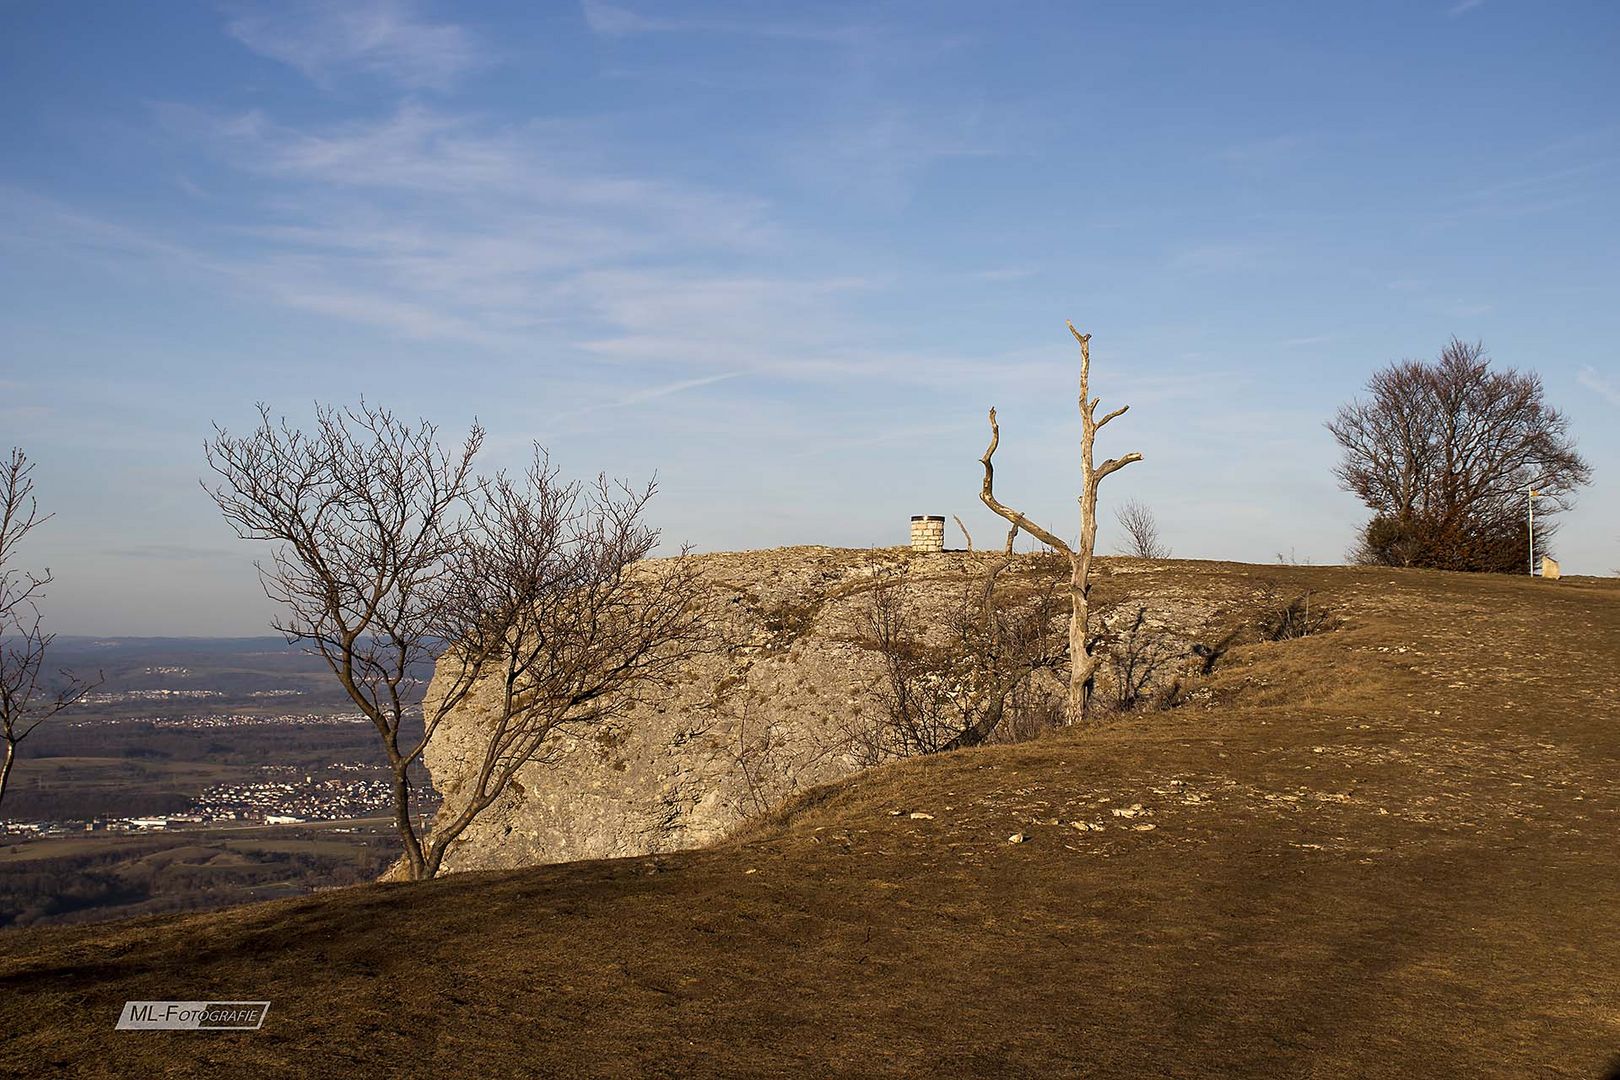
1531	503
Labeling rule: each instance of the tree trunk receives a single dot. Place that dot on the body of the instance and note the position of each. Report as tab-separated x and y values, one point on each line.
1080	659
5	769
415	866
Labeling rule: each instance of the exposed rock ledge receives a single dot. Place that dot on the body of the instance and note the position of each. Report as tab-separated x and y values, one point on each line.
740	732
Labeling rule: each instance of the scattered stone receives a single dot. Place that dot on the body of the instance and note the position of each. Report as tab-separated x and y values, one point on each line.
1144	827
1017	838
1086	826
1130	811
918	815
750	870
896	813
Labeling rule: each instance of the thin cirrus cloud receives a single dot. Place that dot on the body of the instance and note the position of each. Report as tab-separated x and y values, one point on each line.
612	20
442	226
1606	389
385	38
653	393
458	163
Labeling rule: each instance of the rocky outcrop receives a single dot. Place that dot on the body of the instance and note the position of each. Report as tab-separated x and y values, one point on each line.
774	711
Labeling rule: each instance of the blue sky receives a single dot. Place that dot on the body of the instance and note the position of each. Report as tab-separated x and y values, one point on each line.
786	255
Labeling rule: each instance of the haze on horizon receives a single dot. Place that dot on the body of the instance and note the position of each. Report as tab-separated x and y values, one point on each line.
785	256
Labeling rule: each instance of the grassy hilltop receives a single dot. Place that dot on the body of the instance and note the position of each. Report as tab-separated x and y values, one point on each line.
1385	851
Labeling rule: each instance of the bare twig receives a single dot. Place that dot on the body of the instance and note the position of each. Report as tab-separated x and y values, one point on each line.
967	537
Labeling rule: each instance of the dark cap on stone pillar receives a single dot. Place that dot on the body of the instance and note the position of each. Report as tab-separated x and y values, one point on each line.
927	533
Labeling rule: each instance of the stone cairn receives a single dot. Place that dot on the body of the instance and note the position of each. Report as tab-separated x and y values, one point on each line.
927	533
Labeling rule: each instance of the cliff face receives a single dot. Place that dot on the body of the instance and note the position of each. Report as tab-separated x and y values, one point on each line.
778	709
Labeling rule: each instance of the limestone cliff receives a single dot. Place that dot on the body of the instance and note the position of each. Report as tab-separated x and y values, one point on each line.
741	730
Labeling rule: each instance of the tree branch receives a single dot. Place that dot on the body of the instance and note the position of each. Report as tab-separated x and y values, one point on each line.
988	497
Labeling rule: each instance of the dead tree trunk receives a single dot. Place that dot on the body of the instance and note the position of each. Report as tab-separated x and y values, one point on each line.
1082	664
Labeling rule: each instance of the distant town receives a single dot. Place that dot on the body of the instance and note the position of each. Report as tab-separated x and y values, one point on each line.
227	719
266	794
283	798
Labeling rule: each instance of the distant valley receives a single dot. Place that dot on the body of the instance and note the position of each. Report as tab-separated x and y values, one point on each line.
201	772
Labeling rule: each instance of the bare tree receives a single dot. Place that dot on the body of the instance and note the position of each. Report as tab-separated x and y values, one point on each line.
549	609
367	517
28	695
1082	663
19	515
392	556
1444	453
956	692
1141	532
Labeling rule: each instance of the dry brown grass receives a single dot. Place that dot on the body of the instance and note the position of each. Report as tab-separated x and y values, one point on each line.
1387	851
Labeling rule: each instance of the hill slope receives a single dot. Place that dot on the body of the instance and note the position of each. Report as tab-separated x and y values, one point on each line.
1388	851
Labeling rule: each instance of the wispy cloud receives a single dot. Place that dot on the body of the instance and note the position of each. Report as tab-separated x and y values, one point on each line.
1004	273
421	152
877	152
1463	7
653	393
1594	381
1257	155
385	38
442	226
612	20
524	238
1217	258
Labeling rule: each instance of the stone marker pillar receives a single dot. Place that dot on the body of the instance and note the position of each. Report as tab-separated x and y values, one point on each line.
1549	565
927	533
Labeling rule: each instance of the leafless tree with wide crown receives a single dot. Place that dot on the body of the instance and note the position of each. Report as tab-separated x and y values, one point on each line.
391	555
1446	453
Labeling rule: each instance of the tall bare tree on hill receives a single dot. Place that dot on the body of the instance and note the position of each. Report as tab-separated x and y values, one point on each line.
390	555
29	696
1082	662
1445	453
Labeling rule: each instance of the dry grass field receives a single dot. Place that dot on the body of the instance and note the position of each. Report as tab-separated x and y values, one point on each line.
1391	850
